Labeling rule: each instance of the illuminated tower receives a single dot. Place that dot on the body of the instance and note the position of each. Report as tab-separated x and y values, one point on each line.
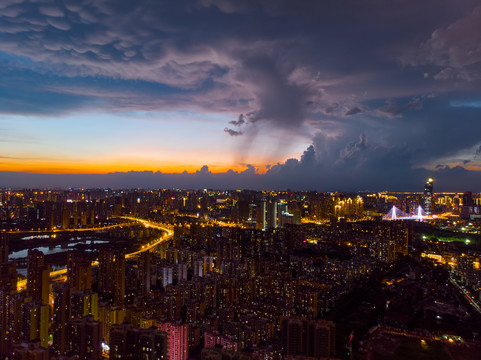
428	197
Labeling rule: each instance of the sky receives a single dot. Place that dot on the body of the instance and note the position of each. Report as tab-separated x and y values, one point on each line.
324	95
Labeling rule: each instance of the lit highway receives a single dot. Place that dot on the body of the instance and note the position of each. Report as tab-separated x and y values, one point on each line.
465	293
167	228
99	228
21	284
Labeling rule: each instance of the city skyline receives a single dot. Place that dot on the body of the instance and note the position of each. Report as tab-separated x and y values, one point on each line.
259	94
244	275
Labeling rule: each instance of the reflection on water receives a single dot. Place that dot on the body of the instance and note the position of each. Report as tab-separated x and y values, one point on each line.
31	237
47	250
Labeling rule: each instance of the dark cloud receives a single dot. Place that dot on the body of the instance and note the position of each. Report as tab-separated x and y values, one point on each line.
478	151
391	109
240	121
454	48
330	108
308	157
356	109
354	149
204	170
232	132
251	170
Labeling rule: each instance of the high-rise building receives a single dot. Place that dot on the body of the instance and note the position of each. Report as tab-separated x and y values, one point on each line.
178	340
34	322
321	339
61	316
79	271
152	344
312	338
428	196
145	272
38	277
261	215
3	248
468	199
272	211
84	303
111	276
10	319
294	339
244	210
29	351
3	323
8	270
130	342
85	338
468	205
167	272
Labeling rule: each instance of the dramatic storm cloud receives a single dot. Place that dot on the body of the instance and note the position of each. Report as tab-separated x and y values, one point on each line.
336	94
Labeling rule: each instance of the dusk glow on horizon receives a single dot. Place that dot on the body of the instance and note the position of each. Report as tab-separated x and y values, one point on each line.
295	94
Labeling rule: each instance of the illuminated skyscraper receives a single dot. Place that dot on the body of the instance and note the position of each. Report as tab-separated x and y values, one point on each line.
428	197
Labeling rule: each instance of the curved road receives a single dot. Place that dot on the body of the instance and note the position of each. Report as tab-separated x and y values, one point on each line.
21	284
